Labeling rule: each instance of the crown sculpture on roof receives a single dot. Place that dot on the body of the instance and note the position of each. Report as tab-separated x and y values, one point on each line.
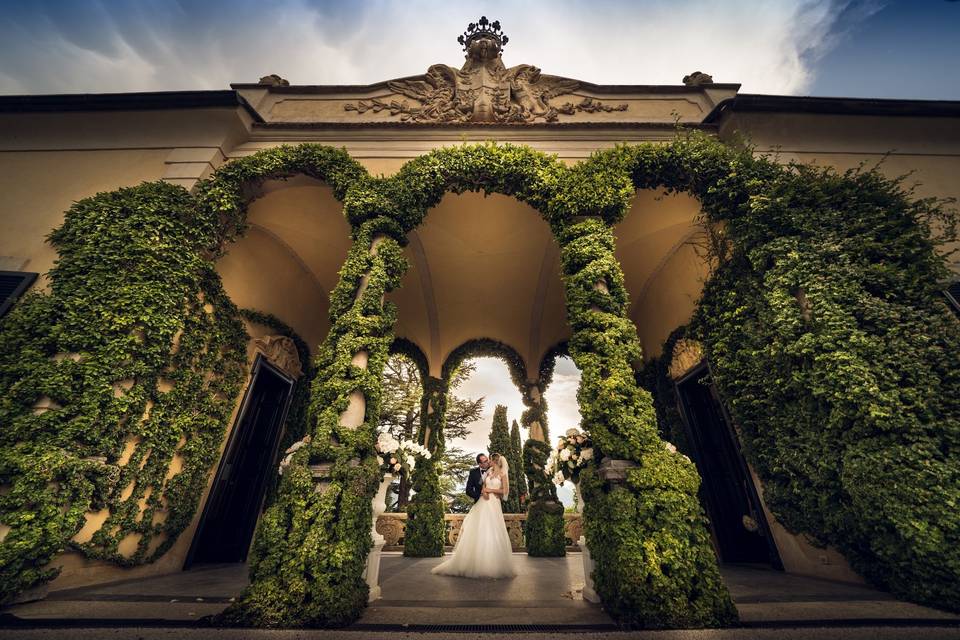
483	90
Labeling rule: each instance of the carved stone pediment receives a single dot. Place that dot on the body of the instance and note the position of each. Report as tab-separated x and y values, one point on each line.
281	351
483	89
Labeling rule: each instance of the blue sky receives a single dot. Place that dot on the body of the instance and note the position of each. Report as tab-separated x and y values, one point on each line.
865	48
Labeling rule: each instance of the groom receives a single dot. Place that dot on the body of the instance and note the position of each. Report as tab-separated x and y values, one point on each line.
476	477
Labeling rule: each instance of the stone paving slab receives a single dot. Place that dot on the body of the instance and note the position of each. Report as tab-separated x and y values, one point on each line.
547	592
771	612
818	633
464	615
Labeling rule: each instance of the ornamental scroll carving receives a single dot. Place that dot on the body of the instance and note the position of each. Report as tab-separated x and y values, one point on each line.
483	89
281	351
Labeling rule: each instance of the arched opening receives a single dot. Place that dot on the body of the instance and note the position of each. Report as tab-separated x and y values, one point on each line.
482	295
593	274
665	248
280	273
563	413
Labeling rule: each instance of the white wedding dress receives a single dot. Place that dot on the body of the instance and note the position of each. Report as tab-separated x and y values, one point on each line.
483	549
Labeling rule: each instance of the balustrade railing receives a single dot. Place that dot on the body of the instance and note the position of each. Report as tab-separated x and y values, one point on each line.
392	526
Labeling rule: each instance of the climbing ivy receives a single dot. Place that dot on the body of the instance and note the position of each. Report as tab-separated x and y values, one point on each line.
424	532
544	527
309	551
838	357
821	321
133	359
224	199
487	348
654	377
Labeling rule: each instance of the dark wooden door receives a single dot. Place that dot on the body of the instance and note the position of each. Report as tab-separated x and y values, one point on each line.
726	490
232	510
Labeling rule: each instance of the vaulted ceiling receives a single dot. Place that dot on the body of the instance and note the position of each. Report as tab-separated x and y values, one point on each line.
480	266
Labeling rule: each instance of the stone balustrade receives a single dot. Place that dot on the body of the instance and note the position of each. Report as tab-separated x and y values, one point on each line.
392	526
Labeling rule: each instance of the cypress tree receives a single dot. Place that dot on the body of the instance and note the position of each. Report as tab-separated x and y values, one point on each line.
500	443
516	468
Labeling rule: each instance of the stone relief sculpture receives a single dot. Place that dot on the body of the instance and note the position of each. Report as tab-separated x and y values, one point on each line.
483	90
282	353
697	78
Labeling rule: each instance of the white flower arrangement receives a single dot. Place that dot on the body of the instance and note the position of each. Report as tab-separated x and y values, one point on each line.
573	452
398	456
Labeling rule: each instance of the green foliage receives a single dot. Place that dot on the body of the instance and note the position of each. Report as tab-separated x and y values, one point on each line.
654	378
310	547
666	575
424	533
535	455
402	396
838	359
487	348
827	335
454	472
544	528
501	443
622	424
141	354
822	324
518	476
223	199
545	533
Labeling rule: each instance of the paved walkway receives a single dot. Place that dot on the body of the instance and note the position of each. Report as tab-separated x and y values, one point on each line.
545	596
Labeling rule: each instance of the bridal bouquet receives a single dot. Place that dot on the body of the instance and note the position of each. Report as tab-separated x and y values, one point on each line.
573	452
396	456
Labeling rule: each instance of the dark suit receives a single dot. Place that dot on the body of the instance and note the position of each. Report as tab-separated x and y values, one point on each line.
475	483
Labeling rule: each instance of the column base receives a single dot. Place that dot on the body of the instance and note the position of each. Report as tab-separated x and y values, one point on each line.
372	572
588	593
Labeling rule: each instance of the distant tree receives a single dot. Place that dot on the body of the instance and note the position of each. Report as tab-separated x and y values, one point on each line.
400	413
400	416
461	503
461	411
500	443
516	462
456	463
454	468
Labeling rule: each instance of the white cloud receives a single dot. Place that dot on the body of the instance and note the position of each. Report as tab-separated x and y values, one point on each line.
769	47
492	381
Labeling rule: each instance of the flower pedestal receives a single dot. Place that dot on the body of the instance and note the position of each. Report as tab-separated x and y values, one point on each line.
372	572
588	565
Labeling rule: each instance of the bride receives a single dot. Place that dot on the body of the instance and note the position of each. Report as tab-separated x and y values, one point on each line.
483	549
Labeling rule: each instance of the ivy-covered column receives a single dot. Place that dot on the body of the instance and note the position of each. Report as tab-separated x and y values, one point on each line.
308	559
655	567
545	536
424	536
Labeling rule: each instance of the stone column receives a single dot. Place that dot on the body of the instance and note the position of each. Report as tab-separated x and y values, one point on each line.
533	399
640	503
545	526
314	562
